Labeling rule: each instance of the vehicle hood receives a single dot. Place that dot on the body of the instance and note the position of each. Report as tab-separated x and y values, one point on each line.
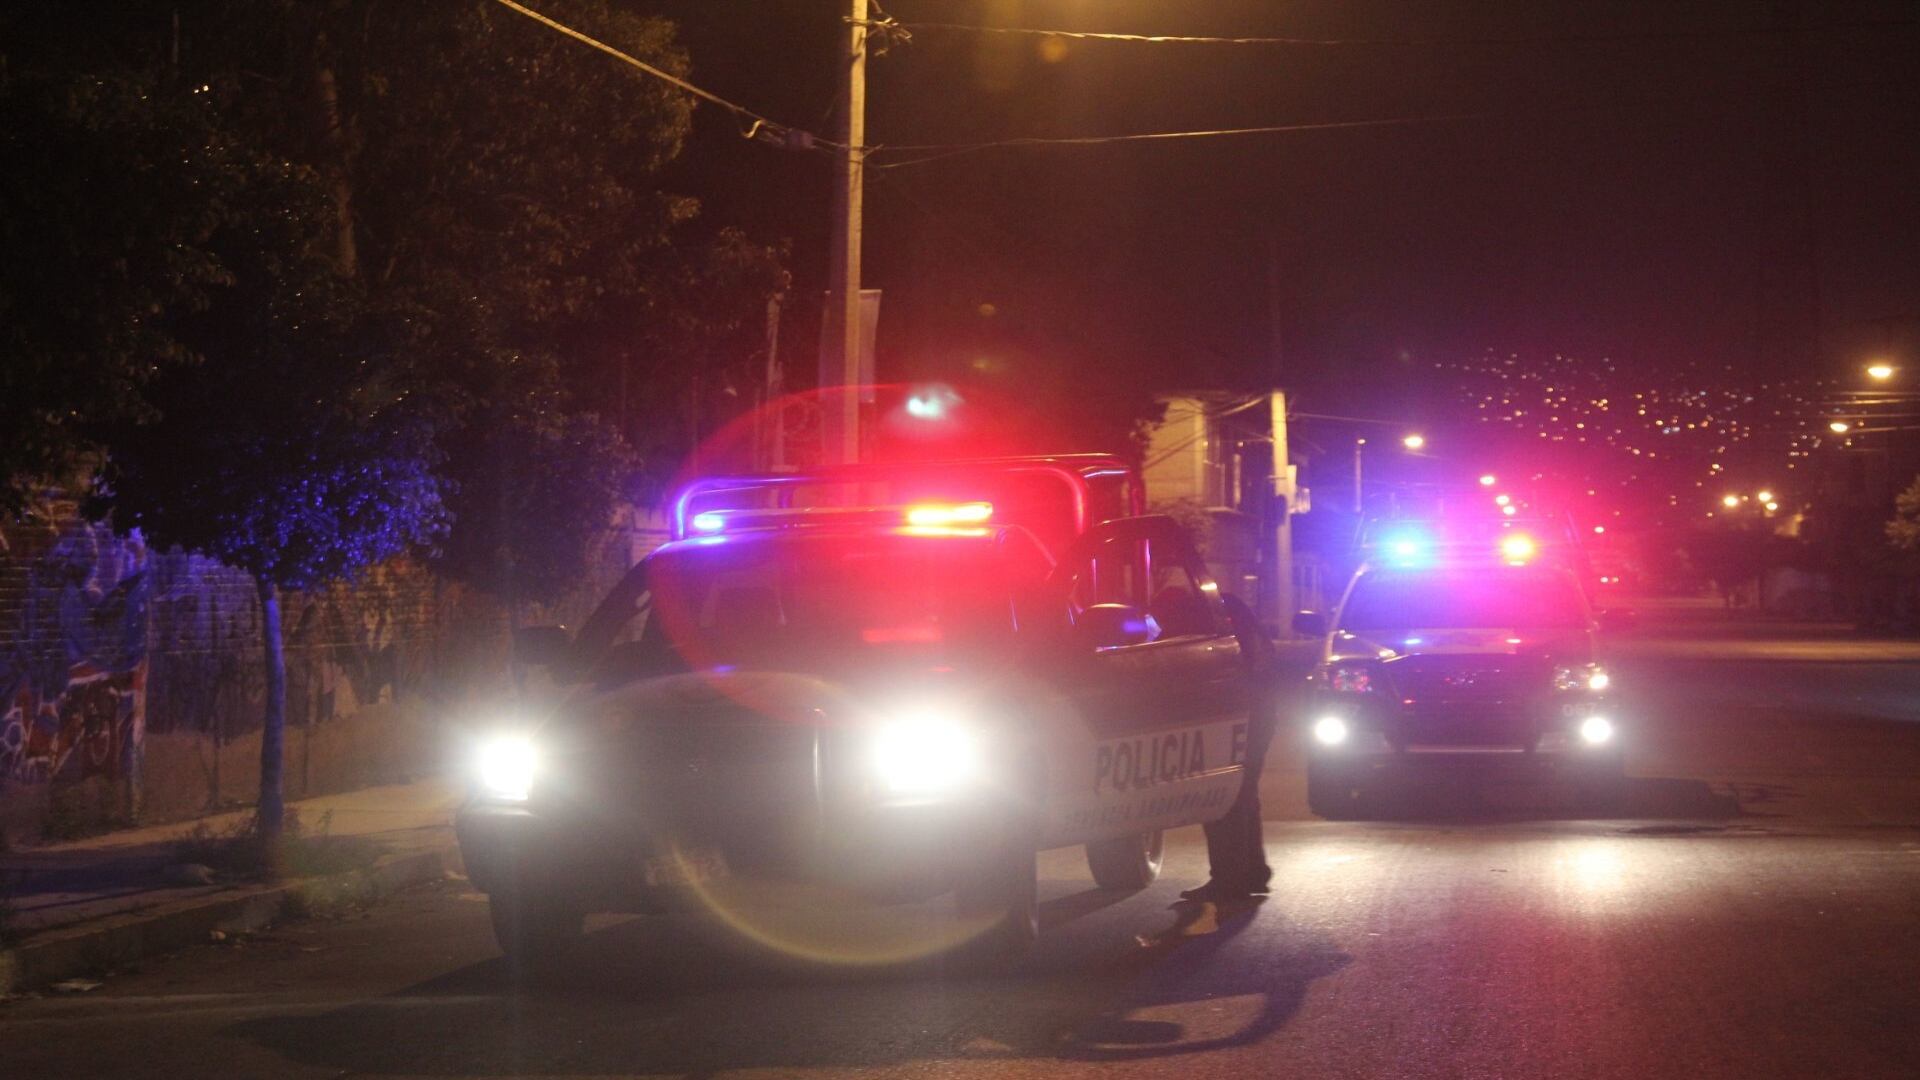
750	697
1571	646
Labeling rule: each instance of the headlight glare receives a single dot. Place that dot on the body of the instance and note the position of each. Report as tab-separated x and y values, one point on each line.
926	752
505	766
1596	730
1330	730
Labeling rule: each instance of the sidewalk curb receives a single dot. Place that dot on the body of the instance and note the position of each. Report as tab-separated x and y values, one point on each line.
118	940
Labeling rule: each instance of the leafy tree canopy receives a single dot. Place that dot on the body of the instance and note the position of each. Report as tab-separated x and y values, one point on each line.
112	193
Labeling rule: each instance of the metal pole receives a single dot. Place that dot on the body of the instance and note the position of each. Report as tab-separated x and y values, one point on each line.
1359	503
1284	491
840	360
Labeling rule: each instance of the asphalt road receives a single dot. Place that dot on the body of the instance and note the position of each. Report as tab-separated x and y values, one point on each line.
1757	913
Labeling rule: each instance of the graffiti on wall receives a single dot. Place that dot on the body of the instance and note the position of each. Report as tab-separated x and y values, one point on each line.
73	658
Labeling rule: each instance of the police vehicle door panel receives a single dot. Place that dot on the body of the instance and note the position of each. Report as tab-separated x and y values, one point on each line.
1162	706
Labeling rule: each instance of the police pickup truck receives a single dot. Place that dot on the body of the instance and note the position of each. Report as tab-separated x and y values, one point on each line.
1477	656
886	703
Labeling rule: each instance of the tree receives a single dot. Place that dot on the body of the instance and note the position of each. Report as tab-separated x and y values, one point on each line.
295	450
503	184
107	209
527	522
1903	532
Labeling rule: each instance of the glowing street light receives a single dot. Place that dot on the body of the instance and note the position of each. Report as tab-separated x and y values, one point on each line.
1730	501
1839	427
1763	495
1772	506
1502	500
1880	371
1414	441
1487	480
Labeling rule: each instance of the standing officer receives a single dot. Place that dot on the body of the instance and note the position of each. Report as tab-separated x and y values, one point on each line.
1236	847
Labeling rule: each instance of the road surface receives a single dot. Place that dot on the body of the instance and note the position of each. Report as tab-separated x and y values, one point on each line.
1757	913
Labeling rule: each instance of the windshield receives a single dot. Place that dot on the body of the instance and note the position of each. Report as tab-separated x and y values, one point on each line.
820	600
1467	599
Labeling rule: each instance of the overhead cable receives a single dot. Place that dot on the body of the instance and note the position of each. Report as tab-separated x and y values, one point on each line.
761	128
1405	42
936	151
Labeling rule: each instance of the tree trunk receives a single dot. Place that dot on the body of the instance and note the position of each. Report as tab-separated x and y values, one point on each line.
337	146
273	726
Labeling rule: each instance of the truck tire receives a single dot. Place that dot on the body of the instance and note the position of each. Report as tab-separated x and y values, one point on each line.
537	934
1601	786
1005	896
1127	863
1331	792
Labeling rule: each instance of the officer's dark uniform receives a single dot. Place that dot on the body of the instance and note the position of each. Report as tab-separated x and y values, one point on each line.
1236	848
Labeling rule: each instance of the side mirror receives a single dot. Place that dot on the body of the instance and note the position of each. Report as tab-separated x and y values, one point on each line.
1108	626
1617	619
1311	624
542	646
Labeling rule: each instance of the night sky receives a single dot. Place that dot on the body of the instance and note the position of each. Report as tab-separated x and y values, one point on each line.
1661	183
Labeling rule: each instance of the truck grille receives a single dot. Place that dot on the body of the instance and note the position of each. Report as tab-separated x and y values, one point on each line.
1439	679
746	787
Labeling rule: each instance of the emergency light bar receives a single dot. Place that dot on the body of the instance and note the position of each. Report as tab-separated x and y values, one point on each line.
918	516
1518	548
1408	547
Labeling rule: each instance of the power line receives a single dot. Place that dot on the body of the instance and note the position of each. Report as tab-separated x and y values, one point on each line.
891	25
937	151
763	128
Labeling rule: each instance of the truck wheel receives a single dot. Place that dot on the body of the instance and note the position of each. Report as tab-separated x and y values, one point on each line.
1331	792
536	933
1006	895
1128	863
1602	786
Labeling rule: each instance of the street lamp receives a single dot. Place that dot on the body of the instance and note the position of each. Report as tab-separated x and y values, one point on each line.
1414	441
1763	495
1839	427
1487	480
1880	371
1730	501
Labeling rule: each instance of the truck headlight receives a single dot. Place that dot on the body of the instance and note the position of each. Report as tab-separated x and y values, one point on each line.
505	766
1591	677
926	751
1596	730
1330	730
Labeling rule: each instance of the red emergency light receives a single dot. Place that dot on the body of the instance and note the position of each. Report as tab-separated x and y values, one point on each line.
968	513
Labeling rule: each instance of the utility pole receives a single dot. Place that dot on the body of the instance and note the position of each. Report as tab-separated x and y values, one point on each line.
1359	494
1285	491
840	359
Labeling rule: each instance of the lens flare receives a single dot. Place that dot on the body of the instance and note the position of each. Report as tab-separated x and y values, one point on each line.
1330	730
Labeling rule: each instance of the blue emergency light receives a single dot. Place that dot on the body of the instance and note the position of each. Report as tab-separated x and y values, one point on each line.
1407	548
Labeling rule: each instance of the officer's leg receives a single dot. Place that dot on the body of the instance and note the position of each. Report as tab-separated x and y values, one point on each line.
1251	839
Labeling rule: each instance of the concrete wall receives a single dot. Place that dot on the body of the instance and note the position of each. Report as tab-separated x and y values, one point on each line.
132	686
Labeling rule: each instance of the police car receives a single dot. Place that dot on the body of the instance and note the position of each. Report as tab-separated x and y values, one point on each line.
1477	649
878	702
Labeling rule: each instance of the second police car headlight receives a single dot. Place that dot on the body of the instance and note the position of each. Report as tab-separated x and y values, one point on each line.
925	751
505	767
1591	677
